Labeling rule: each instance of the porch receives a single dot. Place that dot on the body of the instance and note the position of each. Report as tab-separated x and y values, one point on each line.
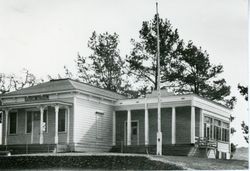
40	126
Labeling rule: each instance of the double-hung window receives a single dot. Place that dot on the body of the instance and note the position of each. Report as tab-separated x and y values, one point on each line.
28	122
217	129
99	124
62	120
208	127
13	122
225	131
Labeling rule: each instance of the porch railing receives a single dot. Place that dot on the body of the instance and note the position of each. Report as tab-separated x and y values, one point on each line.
204	142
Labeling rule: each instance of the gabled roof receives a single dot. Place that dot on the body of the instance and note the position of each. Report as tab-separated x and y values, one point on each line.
60	85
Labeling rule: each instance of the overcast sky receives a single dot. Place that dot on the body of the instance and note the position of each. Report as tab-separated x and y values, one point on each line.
43	36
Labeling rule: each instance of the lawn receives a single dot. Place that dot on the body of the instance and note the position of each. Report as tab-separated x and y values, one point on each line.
203	163
84	161
117	162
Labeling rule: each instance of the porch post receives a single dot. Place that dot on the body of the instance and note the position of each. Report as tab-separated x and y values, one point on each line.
6	126
41	125
173	125
129	128
114	129
56	123
146	124
201	123
192	124
68	123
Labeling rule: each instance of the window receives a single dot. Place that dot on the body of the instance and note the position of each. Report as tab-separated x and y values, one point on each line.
13	122
29	122
61	120
45	121
217	129
99	120
225	132
1	117
208	127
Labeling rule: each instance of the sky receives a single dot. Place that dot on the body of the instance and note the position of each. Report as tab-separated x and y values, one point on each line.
43	36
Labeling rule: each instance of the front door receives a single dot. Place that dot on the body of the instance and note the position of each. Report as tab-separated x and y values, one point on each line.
36	127
134	133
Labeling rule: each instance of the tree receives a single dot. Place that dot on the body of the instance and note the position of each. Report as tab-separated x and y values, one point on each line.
192	72
104	67
142	59
184	68
244	92
12	82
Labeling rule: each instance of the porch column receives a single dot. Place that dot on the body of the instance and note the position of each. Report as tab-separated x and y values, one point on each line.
146	124
173	125
56	123
6	126
201	123
68	123
129	128
114	129
41	125
192	124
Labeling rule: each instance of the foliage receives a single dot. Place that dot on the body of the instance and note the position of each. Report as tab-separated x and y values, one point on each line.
104	67
184	68
243	91
142	59
244	128
12	82
233	149
191	71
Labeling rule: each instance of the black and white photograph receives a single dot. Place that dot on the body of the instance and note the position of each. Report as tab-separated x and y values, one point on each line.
124	85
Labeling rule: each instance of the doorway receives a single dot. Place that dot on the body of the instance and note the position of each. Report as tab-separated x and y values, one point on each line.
134	132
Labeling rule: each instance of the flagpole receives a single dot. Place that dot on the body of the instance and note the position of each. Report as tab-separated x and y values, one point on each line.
159	133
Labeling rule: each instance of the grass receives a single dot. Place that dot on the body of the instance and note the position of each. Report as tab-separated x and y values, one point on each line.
84	161
117	161
204	164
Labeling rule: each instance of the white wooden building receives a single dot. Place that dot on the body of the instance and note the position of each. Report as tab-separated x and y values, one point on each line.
66	115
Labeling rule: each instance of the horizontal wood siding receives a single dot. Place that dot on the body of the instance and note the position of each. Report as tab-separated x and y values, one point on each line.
85	124
183	125
23	138
152	121
139	116
197	122
20	137
121	116
166	125
1	130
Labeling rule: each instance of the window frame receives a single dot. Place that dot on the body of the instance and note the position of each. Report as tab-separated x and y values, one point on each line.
9	116
221	127
101	115
26	117
138	131
65	130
